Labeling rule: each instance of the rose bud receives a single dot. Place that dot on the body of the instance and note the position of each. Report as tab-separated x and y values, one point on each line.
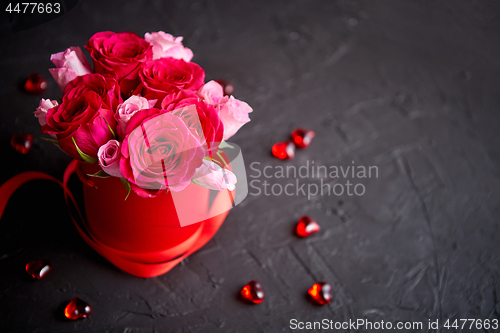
234	114
165	45
41	110
108	156
127	109
211	92
212	176
70	64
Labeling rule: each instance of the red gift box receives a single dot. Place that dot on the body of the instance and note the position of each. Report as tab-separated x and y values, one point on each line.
144	236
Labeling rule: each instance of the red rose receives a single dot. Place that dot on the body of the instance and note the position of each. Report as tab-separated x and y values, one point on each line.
104	86
119	54
205	123
168	75
83	119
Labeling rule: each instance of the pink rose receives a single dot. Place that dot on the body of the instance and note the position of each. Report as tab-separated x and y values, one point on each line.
108	156
211	92
159	152
119	54
41	110
234	114
127	109
70	64
165	45
212	176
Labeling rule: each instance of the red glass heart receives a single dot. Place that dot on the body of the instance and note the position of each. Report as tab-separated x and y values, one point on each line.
38	269
22	142
284	150
77	309
35	84
253	292
321	293
302	137
307	226
227	87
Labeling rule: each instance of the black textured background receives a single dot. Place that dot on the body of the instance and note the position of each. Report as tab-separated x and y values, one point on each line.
412	87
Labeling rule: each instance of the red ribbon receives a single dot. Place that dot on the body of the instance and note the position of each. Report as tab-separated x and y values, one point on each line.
179	242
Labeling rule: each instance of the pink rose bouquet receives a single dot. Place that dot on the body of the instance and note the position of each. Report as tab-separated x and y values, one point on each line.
143	114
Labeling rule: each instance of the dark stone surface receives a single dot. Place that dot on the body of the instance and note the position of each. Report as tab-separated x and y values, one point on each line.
411	87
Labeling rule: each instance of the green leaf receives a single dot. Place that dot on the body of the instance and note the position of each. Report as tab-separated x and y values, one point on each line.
100	174
127	186
84	156
208	158
55	142
224	144
110	129
196	183
223	160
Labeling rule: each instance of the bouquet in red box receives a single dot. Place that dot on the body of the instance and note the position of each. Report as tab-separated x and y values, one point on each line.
144	118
